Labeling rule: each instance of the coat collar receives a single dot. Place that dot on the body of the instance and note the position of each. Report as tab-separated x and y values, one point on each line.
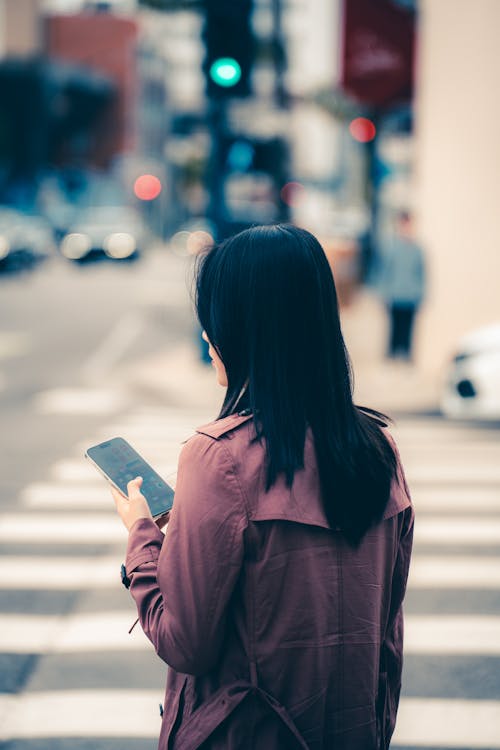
220	427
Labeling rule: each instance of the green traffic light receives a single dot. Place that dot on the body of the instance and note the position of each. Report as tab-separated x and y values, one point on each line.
225	72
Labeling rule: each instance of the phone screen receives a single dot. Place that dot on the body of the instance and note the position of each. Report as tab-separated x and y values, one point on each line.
120	463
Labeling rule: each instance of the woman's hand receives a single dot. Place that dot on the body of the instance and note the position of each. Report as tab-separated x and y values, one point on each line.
135	506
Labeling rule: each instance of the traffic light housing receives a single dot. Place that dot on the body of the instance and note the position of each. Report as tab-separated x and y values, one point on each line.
229	48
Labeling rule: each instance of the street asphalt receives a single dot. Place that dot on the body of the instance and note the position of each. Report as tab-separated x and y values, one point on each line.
88	352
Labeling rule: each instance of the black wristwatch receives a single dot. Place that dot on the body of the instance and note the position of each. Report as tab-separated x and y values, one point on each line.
124	576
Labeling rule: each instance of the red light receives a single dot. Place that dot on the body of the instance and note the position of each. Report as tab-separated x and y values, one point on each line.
292	193
147	187
362	129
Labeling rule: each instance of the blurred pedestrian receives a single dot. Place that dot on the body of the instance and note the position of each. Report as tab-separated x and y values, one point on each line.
402	286
275	596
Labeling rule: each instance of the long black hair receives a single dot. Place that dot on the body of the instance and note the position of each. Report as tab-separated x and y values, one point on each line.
267	301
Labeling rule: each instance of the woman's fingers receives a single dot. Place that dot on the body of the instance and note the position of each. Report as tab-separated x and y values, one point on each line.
133	507
134	488
117	496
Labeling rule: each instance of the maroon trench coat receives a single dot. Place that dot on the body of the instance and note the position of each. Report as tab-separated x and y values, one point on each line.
277	633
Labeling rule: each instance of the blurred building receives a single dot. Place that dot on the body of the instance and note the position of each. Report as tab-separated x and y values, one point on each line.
458	171
105	44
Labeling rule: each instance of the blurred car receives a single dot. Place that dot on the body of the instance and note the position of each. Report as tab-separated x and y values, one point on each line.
116	231
104	224
24	238
472	386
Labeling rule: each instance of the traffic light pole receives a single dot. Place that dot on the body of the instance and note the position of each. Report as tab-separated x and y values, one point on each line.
217	118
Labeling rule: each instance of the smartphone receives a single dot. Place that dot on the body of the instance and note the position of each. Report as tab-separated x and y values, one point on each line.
118	462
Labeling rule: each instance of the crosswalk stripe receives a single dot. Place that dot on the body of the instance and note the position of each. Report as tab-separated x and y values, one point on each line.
422	722
456	530
167	432
86	496
72	470
467	471
454	572
71	527
456	499
56	573
80	471
426	572
52	495
108	631
107	527
413	433
103	631
77	481
452	634
151	450
80	713
443	723
79	401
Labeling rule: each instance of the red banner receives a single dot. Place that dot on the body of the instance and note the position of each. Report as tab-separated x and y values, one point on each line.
378	52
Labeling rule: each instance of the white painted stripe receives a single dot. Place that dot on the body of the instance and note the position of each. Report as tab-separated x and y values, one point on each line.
427	572
79	470
107	527
103	631
73	470
456	471
62	528
167	430
86	495
444	723
425	432
72	573
113	346
152	450
463	531
14	343
169	415
108	631
80	496
455	499
452	634
80	713
433	572
79	401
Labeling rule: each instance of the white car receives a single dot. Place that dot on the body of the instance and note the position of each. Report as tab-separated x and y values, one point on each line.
24	238
472	386
119	232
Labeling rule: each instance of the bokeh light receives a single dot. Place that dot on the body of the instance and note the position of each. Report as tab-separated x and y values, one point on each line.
362	129
147	187
199	241
292	193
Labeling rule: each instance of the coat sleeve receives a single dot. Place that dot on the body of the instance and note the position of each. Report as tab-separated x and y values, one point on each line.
392	647
182	583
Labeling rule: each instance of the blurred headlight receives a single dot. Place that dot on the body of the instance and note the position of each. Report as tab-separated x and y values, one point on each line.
4	247
75	246
119	245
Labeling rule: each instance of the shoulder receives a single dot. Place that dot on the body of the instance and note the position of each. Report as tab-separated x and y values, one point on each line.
221	428
400	497
209	444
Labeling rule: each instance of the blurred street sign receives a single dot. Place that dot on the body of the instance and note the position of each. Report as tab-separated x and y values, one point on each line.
378	52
